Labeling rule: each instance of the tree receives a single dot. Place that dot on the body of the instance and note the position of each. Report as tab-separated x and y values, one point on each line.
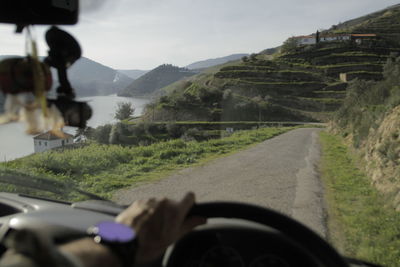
262	104
124	111
253	57
289	45
102	133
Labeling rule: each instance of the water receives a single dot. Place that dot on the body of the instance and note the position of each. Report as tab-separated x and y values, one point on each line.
14	143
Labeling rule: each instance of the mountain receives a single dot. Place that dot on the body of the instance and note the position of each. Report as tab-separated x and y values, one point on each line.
134	74
384	23
157	78
214	62
297	83
90	78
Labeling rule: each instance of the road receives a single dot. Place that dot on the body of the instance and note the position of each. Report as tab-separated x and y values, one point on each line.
279	173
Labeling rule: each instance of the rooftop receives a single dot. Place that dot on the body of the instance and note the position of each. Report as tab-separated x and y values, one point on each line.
364	35
337	35
51	136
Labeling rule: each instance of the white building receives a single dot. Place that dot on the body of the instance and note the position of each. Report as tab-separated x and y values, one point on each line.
305	40
333	38
48	140
311	39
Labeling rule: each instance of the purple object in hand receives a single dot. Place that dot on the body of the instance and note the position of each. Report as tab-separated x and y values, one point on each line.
110	231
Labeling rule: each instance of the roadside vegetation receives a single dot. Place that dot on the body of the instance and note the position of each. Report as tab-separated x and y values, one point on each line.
361	223
146	132
103	169
367	102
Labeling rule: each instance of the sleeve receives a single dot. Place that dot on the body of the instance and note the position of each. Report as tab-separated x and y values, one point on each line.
26	248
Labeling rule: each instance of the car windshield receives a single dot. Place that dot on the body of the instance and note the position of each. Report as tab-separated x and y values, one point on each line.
290	105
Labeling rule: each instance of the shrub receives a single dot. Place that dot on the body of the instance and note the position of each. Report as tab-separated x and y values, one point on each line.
367	102
124	111
174	130
101	134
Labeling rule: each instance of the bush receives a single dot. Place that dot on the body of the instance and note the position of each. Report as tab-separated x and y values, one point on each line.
101	134
290	45
124	111
174	130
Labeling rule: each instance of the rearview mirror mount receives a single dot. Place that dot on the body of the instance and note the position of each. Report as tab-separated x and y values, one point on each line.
42	12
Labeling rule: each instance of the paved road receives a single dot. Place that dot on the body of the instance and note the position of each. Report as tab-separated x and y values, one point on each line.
278	173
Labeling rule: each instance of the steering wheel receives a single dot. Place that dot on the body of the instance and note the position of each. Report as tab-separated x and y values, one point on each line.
317	247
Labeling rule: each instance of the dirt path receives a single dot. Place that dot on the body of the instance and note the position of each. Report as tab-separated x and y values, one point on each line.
278	173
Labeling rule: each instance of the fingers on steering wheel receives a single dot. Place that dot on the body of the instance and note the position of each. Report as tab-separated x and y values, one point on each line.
189	223
186	204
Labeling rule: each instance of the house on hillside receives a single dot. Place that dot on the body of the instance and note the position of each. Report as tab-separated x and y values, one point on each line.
49	140
312	39
359	38
335	38
305	40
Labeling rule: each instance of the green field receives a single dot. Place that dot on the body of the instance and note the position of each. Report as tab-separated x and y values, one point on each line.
103	169
360	223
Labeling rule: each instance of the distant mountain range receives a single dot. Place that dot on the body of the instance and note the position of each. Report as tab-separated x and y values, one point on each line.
134	74
155	79
90	78
214	61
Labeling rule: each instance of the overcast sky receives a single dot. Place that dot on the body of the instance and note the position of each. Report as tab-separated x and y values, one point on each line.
142	34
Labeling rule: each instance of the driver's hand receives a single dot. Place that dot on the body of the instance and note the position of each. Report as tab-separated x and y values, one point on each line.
158	224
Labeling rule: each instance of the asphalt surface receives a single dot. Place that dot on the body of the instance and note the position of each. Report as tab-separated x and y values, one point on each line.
279	173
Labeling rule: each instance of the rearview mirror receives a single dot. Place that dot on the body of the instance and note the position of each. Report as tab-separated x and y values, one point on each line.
47	12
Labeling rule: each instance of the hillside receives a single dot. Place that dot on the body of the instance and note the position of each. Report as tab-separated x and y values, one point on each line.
301	83
384	22
134	74
90	78
157	78
369	120
214	62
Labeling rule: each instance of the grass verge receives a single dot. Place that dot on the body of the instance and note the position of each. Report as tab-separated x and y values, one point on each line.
103	169
360	223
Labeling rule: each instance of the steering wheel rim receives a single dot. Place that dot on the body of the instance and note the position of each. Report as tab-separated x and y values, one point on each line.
294	230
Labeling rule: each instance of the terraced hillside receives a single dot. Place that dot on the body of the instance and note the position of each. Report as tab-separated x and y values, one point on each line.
386	23
302	84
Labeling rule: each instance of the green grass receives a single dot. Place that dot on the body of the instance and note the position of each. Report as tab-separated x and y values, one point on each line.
322	100
103	169
359	220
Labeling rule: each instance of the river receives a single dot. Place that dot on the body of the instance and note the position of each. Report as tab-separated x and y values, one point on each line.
14	143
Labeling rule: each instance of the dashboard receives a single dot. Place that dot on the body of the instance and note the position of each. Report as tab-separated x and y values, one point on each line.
221	242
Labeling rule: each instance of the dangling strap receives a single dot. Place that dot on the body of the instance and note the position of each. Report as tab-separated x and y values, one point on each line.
37	70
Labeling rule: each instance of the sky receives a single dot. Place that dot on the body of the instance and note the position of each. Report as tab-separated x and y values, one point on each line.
142	34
